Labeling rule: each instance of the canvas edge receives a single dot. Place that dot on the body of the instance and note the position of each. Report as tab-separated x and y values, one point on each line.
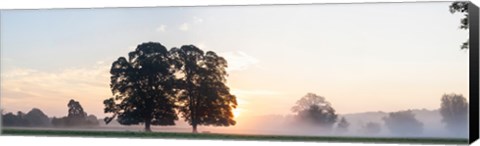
473	18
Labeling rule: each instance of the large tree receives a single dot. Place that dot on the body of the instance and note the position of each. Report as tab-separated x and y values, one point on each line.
454	111
461	7
143	88
205	99
314	109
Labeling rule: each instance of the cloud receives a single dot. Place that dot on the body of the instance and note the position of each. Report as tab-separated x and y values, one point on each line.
184	27
238	60
17	72
23	88
161	28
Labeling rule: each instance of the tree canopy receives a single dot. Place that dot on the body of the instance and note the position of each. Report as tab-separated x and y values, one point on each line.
76	117
315	110
454	111
34	118
75	110
204	98
403	123
143	88
371	128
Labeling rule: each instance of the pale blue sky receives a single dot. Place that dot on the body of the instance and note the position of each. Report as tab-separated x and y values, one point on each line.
402	55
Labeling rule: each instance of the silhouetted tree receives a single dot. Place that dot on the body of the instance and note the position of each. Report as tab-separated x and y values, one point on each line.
461	7
75	110
59	122
92	120
204	98
316	110
371	128
34	118
11	119
37	118
343	125
403	123
76	115
22	121
454	111
143	88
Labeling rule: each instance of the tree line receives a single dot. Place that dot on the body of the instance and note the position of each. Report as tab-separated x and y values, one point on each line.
155	86
315	110
37	118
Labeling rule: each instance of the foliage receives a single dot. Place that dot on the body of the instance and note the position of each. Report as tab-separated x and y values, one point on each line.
76	117
143	88
454	111
314	109
403	123
37	118
461	7
204	98
34	118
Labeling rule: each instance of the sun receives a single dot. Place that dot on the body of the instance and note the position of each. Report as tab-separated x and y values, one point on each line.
236	112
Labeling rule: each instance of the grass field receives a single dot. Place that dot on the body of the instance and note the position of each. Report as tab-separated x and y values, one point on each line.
228	136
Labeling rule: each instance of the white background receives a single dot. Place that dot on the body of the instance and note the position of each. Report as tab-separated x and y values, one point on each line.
34	4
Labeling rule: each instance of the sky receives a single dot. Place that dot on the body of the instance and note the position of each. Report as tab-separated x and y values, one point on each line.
360	57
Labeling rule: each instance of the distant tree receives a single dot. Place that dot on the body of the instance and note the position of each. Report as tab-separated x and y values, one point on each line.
461	7
92	120
371	128
343	125
11	119
59	122
76	116
403	123
75	110
37	118
454	111
19	120
204	98
143	88
316	110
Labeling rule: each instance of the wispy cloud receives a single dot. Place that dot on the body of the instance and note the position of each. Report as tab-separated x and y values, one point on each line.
239	60
161	28
24	88
184	27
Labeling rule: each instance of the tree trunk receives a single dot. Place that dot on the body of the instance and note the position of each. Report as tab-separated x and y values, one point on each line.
147	126
194	128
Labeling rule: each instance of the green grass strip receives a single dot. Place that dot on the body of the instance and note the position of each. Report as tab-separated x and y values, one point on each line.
212	136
